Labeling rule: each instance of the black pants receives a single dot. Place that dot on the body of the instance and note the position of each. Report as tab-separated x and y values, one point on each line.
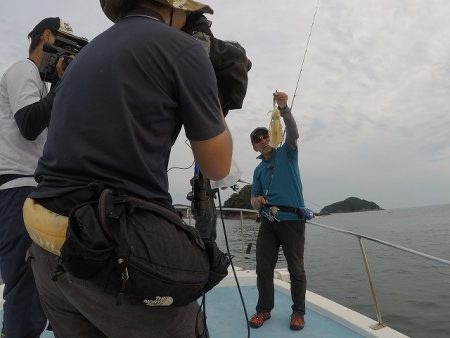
77	309
23	315
290	235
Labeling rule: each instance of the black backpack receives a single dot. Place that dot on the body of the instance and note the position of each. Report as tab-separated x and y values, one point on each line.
229	60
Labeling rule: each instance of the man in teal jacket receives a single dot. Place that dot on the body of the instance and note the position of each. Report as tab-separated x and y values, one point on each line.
277	194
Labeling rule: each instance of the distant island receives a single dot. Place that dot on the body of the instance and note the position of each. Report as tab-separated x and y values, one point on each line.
241	199
351	204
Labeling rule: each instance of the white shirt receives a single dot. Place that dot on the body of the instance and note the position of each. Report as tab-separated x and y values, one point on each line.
20	86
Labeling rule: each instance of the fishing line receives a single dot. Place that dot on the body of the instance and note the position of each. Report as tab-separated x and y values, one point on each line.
317	205
183	168
304	55
241	181
303	61
232	265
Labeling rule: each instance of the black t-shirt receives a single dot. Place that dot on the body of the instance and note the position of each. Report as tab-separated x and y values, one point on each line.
120	107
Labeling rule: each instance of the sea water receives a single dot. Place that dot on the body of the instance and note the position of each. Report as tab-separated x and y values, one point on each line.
413	292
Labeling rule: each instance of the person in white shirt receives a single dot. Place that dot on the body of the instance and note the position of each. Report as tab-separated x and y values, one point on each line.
25	108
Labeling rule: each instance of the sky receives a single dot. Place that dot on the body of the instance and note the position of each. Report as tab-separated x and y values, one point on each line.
373	103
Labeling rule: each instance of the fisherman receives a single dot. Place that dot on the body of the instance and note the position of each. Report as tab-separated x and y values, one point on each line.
119	110
25	106
277	194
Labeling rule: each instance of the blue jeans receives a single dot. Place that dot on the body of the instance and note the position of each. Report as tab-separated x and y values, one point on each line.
23	315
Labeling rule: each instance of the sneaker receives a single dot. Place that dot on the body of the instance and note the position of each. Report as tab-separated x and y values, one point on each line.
258	319
297	321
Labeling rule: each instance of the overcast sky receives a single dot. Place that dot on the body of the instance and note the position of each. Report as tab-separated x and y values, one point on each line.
373	104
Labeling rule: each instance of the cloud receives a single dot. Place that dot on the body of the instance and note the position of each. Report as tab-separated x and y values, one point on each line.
373	99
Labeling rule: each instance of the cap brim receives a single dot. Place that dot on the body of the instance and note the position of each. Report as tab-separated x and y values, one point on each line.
113	8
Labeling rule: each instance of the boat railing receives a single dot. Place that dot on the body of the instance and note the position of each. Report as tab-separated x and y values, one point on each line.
359	237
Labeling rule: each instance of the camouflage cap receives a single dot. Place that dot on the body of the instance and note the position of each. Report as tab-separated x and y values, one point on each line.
113	8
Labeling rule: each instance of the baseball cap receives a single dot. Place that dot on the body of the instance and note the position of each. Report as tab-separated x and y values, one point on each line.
256	132
56	25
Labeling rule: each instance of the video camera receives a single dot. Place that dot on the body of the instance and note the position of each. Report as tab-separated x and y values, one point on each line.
66	46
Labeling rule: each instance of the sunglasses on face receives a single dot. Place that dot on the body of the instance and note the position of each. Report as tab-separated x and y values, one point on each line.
260	138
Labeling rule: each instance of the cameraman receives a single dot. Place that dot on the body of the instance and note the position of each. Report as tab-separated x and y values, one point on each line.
25	106
118	112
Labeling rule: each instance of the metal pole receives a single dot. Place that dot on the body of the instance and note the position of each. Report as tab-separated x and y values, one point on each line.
242	236
380	324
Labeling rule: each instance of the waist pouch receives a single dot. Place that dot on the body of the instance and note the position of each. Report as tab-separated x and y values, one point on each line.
303	213
140	252
46	228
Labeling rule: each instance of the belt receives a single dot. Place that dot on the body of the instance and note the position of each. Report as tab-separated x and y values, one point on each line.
304	214
291	210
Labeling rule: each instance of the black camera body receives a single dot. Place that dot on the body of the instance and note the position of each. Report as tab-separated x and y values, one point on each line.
66	46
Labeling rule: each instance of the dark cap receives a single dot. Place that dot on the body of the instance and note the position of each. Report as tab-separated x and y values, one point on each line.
54	24
256	132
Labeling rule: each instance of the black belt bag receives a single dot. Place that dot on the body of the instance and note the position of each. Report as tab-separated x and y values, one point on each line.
303	213
140	252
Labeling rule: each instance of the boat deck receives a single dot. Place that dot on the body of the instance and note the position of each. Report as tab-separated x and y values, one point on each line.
324	318
226	319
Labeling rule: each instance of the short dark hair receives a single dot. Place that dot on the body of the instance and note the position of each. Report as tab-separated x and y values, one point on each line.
34	43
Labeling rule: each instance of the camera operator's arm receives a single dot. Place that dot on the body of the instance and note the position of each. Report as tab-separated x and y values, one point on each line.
34	118
214	155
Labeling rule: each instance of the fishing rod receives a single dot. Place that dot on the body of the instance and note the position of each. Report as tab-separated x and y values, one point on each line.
304	55
249	246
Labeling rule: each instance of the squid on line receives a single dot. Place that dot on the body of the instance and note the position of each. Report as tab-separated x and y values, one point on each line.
275	127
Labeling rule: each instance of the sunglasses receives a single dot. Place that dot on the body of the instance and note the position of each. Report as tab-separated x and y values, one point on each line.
259	138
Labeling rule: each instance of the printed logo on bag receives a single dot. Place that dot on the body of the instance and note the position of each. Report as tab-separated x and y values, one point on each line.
159	301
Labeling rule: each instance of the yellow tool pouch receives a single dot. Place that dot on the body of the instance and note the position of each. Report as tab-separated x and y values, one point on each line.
46	228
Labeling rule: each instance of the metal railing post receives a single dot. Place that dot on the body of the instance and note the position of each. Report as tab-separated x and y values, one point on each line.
242	236
380	324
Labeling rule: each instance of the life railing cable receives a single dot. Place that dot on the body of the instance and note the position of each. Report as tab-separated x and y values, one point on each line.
232	265
304	55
